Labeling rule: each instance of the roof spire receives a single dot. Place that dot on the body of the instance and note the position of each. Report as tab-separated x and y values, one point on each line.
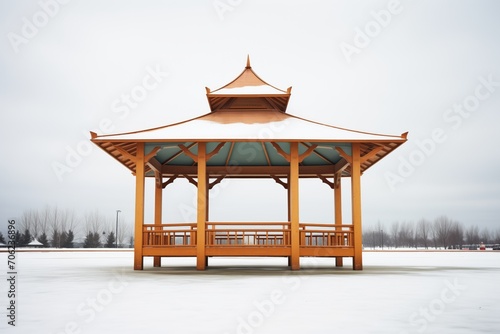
248	62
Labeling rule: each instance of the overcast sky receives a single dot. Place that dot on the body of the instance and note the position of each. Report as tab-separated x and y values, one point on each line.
427	67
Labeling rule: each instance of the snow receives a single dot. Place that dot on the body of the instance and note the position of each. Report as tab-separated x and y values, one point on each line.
397	292
254	125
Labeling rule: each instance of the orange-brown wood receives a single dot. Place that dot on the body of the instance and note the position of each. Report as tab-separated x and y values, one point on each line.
158	208
249	103
139	207
356	206
201	208
294	206
337	192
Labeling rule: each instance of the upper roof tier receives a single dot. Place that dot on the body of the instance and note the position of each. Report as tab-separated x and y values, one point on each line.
248	91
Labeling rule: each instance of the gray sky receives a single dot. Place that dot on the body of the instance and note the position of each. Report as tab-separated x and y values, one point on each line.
428	67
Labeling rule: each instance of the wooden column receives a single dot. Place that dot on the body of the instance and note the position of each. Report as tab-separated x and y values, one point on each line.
356	205
201	208
139	207
158	209
337	186
294	205
289	214
207	207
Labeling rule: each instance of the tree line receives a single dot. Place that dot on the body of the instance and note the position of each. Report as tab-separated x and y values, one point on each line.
54	227
441	232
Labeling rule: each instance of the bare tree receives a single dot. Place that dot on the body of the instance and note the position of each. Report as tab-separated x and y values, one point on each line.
472	235
406	234
94	222
485	235
423	232
497	236
443	226
395	234
456	235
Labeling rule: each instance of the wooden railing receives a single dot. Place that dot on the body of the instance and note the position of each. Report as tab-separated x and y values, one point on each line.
178	235
326	235
275	234
248	234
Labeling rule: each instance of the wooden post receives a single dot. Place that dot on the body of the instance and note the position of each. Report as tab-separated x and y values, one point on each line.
337	186
201	208
356	206
158	210
294	205
139	207
289	216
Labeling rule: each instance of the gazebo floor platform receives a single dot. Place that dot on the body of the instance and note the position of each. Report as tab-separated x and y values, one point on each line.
265	251
263	239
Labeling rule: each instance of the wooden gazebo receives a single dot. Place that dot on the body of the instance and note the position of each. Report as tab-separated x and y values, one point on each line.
248	134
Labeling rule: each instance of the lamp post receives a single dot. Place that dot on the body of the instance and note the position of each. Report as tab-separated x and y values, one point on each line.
116	229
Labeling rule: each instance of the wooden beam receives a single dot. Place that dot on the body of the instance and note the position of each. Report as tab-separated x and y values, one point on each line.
281	171
344	155
152	153
188	152
201	207
279	181
319	154
309	150
371	154
178	153
356	206
215	150
325	180
139	207
281	151
264	148
170	180
126	154
191	180
340	166
228	159
154	164
217	181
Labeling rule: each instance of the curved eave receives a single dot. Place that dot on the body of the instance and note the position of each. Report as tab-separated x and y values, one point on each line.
122	147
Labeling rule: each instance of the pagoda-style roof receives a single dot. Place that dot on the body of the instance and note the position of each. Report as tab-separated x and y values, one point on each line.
248	91
248	127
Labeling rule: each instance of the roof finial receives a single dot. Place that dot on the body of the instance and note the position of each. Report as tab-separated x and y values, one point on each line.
248	62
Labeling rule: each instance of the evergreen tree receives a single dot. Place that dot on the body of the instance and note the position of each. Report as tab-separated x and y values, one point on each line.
62	239
18	238
68	239
56	239
110	240
2	239
25	238
44	240
92	240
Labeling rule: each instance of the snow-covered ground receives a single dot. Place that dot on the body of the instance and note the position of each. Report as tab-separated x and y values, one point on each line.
397	292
